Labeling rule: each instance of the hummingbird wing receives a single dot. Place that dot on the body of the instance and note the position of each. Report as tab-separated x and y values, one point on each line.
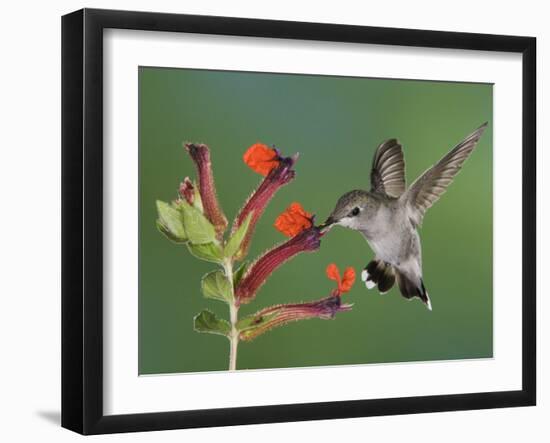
427	188
388	169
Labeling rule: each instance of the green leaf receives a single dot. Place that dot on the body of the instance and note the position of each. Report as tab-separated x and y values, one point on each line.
197	227
208	322
168	234
236	239
170	222
209	251
216	285
239	273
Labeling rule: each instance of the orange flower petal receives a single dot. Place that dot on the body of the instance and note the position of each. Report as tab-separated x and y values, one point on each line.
333	273
293	220
348	280
344	284
296	208
261	158
284	224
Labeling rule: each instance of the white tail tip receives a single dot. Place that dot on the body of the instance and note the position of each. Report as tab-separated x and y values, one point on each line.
429	304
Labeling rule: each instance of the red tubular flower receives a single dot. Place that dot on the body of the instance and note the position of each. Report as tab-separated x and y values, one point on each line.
343	284
207	189
294	220
275	179
257	274
269	318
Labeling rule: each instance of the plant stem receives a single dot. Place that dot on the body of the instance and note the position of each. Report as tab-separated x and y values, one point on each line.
234	338
233	318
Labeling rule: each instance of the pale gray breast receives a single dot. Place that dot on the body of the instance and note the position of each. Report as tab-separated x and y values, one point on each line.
388	234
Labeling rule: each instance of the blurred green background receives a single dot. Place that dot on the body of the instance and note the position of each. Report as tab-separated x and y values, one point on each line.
335	123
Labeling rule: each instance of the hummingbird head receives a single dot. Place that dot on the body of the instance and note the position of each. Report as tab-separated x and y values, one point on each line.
352	211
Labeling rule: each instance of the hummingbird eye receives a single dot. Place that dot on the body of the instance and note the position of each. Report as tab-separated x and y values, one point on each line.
354	212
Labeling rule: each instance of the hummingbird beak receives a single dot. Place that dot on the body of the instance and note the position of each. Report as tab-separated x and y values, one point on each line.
328	222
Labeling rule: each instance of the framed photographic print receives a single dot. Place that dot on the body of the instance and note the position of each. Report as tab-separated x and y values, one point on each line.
270	221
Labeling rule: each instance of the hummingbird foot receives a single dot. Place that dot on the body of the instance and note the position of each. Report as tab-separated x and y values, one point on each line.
378	273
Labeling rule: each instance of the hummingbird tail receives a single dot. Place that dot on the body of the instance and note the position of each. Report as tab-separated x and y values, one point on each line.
410	289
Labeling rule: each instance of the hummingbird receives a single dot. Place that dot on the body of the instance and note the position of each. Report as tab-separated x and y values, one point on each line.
389	215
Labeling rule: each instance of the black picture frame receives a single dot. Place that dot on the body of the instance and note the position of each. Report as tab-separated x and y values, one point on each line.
82	220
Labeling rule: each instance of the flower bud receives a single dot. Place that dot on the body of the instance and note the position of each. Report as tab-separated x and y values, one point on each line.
207	188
